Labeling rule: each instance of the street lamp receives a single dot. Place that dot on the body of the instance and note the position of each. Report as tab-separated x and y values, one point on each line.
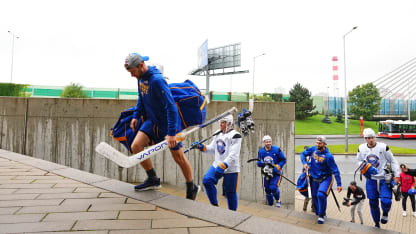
254	67
345	87
13	37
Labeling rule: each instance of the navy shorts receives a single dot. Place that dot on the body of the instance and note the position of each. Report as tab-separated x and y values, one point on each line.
157	134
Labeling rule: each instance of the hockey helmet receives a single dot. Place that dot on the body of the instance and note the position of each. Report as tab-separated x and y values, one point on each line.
368	132
266	137
228	119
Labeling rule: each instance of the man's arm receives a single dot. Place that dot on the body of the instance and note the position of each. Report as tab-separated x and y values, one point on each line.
282	158
161	88
304	154
234	152
394	164
334	168
411	172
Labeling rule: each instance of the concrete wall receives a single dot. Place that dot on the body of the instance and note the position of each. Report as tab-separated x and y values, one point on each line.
66	131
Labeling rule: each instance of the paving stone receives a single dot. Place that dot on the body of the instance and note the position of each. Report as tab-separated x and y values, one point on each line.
21	218
175	223
30	202
133	201
111	224
262	225
80	232
43	177
81	216
7	191
67	195
11	181
79	175
72	185
94	201
153	231
27	173
42	164
9	210
112	195
205	212
26	186
157	214
46	190
12	155
14	169
56	181
53	209
7	177
336	230
127	189
314	226
89	190
37	227
18	196
216	230
103	207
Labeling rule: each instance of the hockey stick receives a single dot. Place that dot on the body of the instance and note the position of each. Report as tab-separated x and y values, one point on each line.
336	201
122	160
256	159
193	146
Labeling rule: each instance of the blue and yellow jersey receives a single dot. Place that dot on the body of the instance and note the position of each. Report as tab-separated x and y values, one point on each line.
275	154
321	164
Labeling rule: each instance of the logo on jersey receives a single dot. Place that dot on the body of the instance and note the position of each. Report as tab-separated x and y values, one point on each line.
268	159
220	146
373	159
318	158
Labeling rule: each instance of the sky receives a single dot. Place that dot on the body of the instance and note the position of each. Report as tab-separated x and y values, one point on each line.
62	42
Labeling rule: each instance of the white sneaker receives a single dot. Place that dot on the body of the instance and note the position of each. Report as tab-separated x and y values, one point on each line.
414	214
404	214
278	204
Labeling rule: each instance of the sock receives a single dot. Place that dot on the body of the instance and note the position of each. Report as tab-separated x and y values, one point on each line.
190	185
151	173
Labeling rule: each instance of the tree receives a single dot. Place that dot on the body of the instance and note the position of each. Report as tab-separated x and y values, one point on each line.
365	100
304	103
339	117
73	91
11	89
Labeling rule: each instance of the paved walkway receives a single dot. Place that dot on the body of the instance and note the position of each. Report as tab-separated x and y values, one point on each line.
37	196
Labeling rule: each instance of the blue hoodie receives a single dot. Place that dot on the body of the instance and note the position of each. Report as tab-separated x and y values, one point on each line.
322	164
275	153
156	102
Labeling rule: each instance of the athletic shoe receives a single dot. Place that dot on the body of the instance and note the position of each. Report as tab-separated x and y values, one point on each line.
352	221
278	204
377	225
384	219
404	214
191	194
149	183
414	214
321	220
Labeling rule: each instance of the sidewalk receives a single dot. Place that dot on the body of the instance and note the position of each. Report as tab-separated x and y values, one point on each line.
37	196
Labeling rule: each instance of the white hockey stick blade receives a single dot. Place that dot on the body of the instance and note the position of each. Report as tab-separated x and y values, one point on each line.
122	160
114	155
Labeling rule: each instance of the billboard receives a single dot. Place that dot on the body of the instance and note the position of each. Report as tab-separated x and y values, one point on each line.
225	57
203	54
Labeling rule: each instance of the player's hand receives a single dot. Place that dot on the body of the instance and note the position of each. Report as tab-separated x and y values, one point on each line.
396	180
349	204
171	141
306	167
133	124
339	189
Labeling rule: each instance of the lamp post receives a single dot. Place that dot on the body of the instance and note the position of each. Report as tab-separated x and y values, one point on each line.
345	87
13	37
254	67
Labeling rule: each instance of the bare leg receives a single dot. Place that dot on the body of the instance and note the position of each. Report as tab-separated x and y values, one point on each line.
139	142
183	163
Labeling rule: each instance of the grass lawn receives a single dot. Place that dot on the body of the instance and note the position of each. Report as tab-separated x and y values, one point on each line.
314	126
353	148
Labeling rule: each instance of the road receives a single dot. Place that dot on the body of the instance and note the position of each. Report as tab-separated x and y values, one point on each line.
406	143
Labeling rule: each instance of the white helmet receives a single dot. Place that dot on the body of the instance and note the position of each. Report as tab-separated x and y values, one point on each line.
267	137
368	132
228	119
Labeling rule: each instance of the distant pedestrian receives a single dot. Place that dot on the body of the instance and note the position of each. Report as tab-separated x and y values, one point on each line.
407	184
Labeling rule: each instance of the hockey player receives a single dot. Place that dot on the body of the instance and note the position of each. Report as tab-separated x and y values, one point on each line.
322	169
373	158
161	121
273	157
226	148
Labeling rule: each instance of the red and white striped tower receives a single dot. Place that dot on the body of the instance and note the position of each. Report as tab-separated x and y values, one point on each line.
335	75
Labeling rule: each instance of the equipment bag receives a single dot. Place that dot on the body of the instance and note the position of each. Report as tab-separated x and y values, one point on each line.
121	130
190	102
191	107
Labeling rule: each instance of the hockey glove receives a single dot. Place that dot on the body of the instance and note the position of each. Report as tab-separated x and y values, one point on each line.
276	170
411	191
397	191
198	145
219	171
367	170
